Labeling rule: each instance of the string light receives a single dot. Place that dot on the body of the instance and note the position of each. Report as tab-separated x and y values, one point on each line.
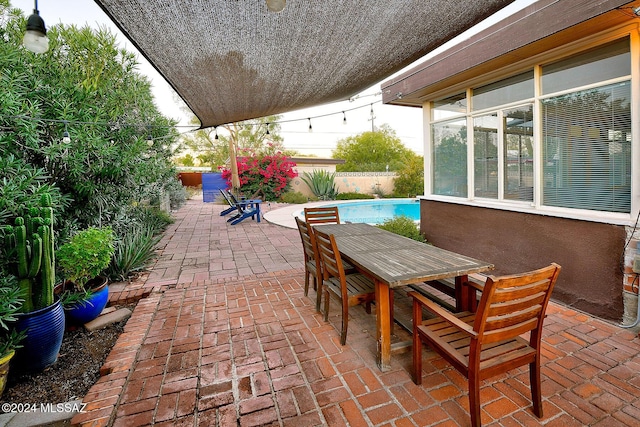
35	38
192	128
65	135
267	133
216	129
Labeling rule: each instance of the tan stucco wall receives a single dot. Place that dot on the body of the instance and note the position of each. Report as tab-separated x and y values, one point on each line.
351	182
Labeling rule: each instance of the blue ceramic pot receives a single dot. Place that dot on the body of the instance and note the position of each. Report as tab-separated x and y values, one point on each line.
91	308
44	329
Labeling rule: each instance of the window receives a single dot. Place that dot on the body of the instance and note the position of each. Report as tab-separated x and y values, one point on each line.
580	158
587	149
450	107
518	153
449	157
597	65
485	155
504	92
503	147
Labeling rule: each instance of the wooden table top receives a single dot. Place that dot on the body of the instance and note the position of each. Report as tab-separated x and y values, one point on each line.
398	260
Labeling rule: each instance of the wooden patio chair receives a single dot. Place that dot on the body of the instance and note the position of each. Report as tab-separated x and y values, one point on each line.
487	343
352	289
322	215
312	266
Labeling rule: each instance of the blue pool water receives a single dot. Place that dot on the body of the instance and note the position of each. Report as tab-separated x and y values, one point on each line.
378	210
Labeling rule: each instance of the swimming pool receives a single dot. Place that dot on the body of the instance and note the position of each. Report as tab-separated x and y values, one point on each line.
377	211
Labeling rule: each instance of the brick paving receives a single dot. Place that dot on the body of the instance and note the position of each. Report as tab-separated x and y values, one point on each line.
224	336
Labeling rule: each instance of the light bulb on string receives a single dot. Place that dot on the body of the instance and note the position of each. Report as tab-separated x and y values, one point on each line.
65	135
310	127
267	132
344	118
216	129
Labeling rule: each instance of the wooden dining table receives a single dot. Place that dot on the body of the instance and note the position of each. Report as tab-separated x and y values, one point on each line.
393	261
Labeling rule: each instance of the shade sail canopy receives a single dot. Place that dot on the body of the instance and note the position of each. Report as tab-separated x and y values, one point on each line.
232	60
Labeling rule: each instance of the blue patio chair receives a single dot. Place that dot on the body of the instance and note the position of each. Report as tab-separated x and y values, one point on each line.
245	208
227	197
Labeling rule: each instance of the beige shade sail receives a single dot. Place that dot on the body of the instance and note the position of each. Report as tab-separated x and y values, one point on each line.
232	60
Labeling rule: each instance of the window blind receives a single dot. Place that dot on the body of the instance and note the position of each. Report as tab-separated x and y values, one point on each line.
587	149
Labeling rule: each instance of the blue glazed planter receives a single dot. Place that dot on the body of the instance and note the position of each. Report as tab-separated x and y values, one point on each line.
80	314
44	329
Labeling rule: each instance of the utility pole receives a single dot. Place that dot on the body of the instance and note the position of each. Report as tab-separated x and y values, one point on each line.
373	128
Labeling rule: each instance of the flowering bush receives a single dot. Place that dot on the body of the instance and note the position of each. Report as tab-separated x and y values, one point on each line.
266	174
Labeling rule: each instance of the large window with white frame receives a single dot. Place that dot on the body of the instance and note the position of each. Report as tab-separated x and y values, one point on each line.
580	158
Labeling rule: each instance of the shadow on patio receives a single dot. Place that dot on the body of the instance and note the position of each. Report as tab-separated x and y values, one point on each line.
227	337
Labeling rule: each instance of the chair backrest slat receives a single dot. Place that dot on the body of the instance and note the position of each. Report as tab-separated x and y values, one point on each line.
330	259
308	242
513	305
322	215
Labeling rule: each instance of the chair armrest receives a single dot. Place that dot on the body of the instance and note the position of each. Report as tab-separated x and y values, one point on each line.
477	281
442	313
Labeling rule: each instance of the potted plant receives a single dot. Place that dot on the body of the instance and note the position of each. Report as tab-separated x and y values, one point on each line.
10	304
29	253
81	261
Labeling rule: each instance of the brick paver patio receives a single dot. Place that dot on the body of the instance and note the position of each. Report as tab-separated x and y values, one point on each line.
225	337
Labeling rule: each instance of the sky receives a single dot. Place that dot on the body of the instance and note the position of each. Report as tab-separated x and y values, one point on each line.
406	121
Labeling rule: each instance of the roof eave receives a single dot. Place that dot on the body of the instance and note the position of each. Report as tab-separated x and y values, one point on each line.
524	34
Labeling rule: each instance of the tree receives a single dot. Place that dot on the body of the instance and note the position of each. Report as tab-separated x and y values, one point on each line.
88	87
410	179
372	152
211	145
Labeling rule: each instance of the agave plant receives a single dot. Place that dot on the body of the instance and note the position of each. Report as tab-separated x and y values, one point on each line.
321	183
134	251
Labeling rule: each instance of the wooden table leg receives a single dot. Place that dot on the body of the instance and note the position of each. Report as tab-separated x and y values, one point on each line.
465	295
383	326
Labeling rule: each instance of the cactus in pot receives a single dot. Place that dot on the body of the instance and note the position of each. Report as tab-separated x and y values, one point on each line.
30	242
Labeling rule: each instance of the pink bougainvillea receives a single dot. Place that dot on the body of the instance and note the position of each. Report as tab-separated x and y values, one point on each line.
267	175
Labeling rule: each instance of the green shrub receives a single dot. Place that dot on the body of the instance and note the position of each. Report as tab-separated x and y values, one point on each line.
86	255
404	226
177	194
133	253
141	215
353	196
293	197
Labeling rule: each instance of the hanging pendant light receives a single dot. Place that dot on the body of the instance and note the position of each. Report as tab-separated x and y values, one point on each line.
276	5
35	38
